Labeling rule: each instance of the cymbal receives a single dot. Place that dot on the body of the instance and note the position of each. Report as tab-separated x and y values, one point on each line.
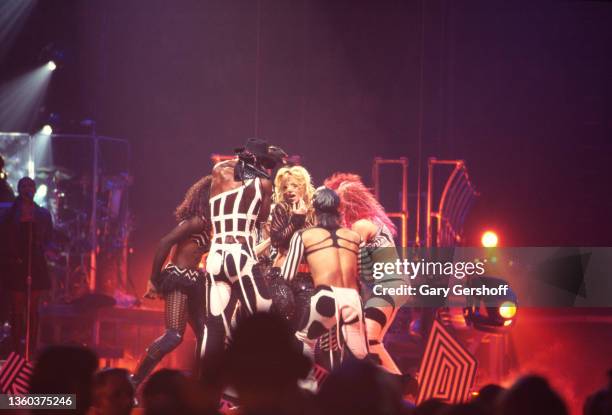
58	172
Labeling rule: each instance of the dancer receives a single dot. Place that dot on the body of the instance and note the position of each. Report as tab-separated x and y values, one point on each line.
181	283
362	213
26	230
241	195
331	252
293	192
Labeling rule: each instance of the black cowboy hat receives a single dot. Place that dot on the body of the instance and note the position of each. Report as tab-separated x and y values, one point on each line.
269	156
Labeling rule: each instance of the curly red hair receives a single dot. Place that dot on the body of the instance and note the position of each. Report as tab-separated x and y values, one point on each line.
356	201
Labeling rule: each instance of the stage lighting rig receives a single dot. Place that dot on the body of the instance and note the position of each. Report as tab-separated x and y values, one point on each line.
493	314
47	130
53	57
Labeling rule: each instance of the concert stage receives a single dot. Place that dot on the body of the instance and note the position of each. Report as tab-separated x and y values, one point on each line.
117	334
421	187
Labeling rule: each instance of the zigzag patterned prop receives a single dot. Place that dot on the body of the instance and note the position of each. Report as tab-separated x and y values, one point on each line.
15	375
447	370
320	374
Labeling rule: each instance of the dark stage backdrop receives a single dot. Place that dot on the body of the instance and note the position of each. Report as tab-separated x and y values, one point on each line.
522	92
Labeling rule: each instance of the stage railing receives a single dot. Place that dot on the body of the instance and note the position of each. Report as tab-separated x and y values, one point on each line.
456	199
403	213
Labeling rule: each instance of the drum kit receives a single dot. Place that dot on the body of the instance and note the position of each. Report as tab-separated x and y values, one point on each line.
92	222
69	199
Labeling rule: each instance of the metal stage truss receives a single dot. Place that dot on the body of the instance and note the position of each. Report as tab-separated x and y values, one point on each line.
402	214
454	203
452	197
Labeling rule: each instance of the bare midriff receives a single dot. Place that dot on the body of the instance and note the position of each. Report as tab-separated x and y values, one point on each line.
187	254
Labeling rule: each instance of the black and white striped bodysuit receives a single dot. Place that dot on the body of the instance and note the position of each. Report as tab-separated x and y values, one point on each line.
231	257
380	310
233	219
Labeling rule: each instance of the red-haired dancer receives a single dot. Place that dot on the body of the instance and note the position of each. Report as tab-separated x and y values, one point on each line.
362	213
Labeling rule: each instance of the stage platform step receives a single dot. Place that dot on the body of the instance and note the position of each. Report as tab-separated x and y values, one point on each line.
119	335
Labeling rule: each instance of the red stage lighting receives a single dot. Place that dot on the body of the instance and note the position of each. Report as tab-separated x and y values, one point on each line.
489	239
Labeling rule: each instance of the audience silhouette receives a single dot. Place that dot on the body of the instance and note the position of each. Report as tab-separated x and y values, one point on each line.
262	367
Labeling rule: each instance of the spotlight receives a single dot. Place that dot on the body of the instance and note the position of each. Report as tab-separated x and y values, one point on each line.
489	239
492	314
21	98
53	55
47	130
507	309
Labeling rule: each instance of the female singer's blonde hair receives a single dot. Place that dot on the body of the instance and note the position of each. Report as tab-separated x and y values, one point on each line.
301	175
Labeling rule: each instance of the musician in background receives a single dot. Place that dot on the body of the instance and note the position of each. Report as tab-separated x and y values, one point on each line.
26	233
6	199
6	191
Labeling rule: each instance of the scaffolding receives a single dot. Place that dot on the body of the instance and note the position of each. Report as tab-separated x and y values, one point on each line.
444	221
456	200
402	214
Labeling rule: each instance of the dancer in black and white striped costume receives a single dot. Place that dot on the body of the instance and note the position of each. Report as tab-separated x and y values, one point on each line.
240	199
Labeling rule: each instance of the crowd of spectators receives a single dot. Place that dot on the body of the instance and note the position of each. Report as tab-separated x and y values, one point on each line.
262	367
